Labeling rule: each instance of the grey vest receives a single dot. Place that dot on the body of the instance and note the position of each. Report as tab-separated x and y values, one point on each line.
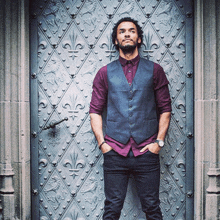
131	110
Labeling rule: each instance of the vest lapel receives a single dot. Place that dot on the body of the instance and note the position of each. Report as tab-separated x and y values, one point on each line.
122	75
138	73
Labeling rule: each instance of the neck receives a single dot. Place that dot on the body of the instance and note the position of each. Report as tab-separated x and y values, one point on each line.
128	56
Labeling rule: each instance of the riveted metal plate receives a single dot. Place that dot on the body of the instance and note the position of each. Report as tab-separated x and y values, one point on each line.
70	42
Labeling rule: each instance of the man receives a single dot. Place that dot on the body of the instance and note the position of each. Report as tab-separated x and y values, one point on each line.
135	92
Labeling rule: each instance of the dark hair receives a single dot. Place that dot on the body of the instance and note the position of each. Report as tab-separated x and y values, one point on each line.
139	30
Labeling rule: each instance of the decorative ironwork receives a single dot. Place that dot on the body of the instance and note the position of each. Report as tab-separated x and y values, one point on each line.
128	9
74	163
169	194
73	44
149	44
53	74
74	39
74	216
55	192
75	104
110	47
42	45
54	15
91	188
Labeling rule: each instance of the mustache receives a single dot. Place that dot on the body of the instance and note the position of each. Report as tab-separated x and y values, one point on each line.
127	39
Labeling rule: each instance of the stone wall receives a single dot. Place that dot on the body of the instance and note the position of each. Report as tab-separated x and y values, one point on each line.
14	110
207	154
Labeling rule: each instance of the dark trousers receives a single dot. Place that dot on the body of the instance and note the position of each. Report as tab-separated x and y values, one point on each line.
146	172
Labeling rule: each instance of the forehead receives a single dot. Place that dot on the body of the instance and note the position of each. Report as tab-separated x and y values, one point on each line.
126	25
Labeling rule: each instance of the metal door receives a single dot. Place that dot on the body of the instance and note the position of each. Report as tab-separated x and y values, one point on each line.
70	41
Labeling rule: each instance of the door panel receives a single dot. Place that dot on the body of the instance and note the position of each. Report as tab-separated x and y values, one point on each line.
70	42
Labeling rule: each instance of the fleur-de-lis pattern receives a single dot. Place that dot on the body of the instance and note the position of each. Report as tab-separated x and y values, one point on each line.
75	164
73	42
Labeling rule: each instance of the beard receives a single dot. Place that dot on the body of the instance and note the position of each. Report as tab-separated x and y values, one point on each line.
128	49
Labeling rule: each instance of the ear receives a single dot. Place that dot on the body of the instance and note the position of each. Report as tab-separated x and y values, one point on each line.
116	42
139	40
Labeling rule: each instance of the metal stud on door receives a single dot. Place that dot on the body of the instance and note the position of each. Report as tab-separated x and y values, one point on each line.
70	41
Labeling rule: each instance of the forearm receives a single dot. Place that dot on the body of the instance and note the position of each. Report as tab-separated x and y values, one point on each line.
164	122
96	124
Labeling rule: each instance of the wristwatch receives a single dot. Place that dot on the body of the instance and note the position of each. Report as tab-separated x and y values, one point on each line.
160	143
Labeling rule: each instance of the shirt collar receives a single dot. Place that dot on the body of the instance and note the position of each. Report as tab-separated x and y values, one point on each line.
134	61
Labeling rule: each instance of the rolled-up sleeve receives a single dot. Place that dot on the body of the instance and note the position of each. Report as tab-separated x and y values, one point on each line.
161	90
100	92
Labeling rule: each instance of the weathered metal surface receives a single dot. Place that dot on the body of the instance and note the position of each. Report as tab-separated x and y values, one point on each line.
70	41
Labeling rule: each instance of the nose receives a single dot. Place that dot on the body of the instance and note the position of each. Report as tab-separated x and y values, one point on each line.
127	34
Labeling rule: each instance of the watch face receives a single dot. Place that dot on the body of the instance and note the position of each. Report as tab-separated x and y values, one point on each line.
161	143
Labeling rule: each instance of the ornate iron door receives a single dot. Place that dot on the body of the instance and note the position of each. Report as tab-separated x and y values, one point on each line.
70	41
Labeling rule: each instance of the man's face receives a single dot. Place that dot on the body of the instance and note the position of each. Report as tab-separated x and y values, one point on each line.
127	35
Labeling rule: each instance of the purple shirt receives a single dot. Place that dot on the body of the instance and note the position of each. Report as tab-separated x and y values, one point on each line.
100	93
